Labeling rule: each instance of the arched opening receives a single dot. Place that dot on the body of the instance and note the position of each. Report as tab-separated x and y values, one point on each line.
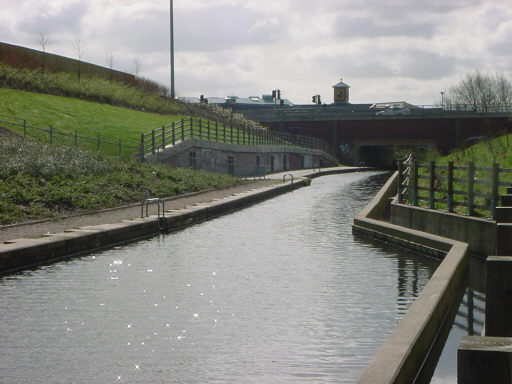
377	156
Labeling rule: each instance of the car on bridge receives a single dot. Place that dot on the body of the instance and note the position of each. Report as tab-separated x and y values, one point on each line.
394	110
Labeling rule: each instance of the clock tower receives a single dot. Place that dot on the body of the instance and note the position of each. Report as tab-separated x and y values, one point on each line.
341	92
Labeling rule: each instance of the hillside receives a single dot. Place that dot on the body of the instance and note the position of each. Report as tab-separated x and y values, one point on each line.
86	117
484	153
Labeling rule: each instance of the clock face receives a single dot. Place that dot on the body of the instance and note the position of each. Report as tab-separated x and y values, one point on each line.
339	94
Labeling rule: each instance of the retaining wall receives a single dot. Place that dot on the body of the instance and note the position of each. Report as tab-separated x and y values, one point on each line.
479	233
402	355
247	160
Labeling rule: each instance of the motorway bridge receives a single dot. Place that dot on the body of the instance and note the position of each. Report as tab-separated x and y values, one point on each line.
361	135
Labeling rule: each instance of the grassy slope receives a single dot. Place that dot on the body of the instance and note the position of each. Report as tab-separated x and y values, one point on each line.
88	118
482	153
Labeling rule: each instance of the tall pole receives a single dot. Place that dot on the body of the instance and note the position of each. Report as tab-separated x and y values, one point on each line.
173	96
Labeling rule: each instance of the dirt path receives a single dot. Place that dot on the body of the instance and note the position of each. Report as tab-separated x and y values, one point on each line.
115	215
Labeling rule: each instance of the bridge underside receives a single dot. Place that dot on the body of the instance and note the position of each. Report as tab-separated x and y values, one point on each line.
381	153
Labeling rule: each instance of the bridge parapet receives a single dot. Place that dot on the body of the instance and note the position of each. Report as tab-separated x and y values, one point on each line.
353	112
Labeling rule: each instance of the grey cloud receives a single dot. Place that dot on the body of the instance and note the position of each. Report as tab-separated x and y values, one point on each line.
210	29
424	65
399	8
349	27
67	20
225	26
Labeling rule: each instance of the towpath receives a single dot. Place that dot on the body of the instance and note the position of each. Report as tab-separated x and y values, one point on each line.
115	215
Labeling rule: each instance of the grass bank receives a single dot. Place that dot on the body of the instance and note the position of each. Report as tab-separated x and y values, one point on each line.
40	181
483	155
87	87
87	118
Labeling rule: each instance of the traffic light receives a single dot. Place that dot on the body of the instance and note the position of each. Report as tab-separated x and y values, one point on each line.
319	100
279	94
313	99
274	94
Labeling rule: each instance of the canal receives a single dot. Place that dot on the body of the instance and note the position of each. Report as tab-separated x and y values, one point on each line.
279	292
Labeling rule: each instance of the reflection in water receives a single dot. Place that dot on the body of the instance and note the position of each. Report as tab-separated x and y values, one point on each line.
279	292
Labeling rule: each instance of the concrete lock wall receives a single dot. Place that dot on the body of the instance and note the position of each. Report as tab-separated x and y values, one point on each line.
402	355
240	160
480	234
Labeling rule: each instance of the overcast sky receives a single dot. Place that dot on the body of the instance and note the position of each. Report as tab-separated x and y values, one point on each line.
386	50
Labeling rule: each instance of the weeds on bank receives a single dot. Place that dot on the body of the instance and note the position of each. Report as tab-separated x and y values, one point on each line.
39	181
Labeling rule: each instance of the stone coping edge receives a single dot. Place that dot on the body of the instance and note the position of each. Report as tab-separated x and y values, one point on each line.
26	253
402	355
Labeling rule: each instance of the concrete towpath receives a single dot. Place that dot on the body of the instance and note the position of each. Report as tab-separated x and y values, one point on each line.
115	215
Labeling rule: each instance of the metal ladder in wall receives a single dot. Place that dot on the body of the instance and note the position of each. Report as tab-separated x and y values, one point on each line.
161	219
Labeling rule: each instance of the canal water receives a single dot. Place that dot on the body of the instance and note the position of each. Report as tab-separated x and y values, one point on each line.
280	292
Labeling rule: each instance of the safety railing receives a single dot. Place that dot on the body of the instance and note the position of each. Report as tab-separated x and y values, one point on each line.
466	189
196	128
108	145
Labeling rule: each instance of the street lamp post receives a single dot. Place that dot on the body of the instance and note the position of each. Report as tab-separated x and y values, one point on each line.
173	96
442	99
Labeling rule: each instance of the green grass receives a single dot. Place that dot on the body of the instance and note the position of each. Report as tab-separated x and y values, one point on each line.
87	118
87	87
40	181
483	154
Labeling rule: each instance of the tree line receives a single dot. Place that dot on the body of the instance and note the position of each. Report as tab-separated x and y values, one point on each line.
480	92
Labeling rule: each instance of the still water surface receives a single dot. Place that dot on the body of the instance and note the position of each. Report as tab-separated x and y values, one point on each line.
280	292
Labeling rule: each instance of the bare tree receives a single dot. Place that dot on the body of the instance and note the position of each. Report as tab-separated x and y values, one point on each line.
138	67
110	62
482	92
43	42
80	51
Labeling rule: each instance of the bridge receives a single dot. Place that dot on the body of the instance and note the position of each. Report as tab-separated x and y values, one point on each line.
361	135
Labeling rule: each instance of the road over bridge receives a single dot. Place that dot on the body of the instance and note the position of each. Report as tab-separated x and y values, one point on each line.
361	135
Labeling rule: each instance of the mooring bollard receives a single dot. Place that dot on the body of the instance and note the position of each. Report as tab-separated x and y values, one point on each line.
484	360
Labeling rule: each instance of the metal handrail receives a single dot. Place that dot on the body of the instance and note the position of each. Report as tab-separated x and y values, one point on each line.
288	174
146	204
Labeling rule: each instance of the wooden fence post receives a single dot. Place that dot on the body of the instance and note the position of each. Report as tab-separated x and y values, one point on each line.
431	188
208	130
471	188
51	134
163	137
400	181
414	175
449	191
182	129
141	147
173	134
153	141
200	129
495	186
24	128
231	127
